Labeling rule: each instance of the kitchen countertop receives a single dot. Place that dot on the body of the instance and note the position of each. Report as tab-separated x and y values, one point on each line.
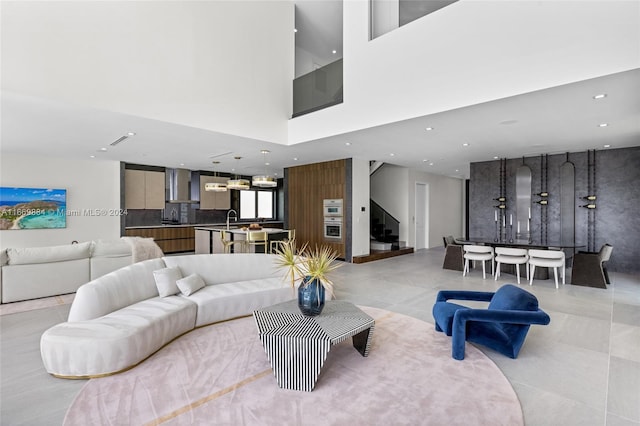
236	229
201	225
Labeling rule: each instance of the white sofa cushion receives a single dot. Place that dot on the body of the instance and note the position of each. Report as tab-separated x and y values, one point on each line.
30	281
31	255
116	290
118	340
109	255
110	248
166	279
232	300
191	284
227	268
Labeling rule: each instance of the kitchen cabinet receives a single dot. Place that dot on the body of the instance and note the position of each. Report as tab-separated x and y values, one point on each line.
213	200
171	239
144	189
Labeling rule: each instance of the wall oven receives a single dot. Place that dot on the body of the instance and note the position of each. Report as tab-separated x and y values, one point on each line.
333	228
332	207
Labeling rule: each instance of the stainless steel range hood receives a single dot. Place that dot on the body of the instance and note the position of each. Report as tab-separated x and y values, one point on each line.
179	186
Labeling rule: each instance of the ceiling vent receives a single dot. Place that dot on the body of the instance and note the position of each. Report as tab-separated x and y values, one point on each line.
117	141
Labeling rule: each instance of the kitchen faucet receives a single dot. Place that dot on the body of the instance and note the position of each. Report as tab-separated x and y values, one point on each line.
235	216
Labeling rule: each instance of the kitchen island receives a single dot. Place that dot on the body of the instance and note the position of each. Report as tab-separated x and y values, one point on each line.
179	237
209	239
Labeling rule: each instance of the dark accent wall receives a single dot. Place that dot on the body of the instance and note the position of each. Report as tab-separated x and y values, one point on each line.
617	183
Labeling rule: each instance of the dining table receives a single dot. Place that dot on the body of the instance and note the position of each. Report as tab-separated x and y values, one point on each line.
452	255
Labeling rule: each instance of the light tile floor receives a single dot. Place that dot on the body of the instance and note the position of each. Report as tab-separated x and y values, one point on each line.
582	369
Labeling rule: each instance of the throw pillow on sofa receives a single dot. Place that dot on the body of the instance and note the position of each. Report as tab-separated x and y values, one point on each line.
166	281
190	284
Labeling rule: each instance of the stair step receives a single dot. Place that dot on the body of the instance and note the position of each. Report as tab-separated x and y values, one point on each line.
377	245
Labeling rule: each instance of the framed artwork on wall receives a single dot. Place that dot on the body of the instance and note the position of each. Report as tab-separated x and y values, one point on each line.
32	208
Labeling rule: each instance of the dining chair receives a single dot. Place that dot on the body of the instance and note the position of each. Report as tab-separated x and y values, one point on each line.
511	256
227	242
549	259
482	253
274	244
255	239
604	255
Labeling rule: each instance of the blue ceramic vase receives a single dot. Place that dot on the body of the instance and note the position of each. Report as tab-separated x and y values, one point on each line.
310	297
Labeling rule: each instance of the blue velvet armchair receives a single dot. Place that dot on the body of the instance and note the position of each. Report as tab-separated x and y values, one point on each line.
502	327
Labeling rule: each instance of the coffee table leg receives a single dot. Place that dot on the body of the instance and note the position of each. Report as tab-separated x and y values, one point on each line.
296	363
362	341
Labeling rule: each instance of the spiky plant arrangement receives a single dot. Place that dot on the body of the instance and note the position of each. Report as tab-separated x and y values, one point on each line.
316	264
313	264
289	259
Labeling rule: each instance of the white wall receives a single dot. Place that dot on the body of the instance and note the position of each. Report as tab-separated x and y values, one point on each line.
389	189
470	52
225	66
393	188
90	184
361	228
446	207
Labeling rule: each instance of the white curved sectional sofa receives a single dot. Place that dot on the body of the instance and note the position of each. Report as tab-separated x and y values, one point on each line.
118	320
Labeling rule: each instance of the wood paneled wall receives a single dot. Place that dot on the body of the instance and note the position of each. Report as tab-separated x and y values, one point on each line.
307	187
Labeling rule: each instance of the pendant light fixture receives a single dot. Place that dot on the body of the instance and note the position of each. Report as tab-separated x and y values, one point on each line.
237	183
215	186
264	181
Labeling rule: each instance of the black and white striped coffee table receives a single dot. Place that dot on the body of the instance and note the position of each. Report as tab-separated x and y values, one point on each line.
297	345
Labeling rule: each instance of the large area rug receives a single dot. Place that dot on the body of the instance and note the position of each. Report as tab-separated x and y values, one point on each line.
220	375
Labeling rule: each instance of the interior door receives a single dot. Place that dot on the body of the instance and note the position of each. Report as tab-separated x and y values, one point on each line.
421	217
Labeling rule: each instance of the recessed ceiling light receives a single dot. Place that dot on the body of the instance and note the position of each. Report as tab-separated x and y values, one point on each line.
347	143
92	156
603	124
334	52
102	150
267	164
457	170
391	154
131	134
425	160
428	129
431	164
182	164
607	146
600	96
295	158
295	30
495	157
465	144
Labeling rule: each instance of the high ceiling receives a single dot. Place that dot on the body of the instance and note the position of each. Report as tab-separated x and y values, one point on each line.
566	118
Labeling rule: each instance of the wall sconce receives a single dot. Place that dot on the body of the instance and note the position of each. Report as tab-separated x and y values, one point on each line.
543	202
589	206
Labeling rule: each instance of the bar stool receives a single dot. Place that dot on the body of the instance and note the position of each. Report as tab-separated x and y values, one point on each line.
512	256
274	245
482	253
256	238
227	242
546	258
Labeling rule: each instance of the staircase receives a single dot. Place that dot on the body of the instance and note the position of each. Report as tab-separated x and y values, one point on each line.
385	229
